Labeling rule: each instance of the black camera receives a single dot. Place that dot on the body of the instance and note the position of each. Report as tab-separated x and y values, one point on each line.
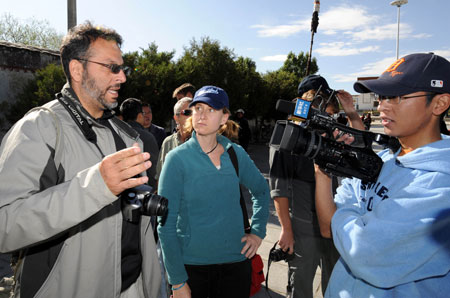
140	200
313	138
277	254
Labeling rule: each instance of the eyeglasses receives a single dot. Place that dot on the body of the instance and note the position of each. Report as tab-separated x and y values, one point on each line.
398	99
115	68
186	112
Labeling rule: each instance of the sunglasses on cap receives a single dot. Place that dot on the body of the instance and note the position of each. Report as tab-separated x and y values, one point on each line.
115	68
186	112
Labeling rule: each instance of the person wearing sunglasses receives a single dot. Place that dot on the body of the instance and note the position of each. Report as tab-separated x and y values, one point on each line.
392	234
206	251
181	112
62	170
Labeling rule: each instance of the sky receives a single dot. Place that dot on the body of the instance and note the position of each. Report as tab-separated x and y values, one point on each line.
354	38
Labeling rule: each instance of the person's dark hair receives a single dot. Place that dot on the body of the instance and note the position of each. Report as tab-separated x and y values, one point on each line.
130	109
146	104
184	89
78	40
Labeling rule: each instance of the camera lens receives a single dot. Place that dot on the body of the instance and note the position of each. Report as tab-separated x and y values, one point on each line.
155	205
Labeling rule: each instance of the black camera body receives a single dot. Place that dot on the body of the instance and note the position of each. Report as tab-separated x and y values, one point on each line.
313	138
277	254
140	200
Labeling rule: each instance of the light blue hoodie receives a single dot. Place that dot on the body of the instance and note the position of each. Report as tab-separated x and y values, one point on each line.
394	235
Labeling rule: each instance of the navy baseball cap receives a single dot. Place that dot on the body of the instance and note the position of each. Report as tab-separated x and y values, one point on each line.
313	82
213	96
416	72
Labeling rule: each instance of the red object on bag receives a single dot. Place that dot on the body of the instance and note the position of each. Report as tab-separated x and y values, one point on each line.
257	274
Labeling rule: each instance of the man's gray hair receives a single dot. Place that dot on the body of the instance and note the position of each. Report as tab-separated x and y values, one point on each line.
179	104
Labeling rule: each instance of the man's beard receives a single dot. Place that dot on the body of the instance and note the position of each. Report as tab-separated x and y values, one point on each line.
93	91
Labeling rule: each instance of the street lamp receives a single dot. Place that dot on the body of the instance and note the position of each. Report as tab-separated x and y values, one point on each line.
398	3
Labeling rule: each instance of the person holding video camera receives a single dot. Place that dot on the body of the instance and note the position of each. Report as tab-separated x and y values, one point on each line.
206	252
292	186
392	234
62	169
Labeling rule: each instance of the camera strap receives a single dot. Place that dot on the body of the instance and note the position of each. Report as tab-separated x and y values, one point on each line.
81	121
235	163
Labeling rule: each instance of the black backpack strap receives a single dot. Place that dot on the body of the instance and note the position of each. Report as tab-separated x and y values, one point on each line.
235	163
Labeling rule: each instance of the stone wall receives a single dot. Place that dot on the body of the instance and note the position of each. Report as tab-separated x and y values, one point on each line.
18	63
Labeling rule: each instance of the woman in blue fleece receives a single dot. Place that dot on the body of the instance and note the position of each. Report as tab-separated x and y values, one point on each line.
205	249
393	235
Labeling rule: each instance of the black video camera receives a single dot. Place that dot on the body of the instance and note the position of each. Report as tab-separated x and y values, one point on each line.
140	200
355	160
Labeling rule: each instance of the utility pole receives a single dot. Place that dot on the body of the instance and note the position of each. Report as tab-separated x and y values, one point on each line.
71	14
314	24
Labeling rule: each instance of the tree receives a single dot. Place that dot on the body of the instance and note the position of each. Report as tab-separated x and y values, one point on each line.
48	81
297	64
32	32
280	84
152	80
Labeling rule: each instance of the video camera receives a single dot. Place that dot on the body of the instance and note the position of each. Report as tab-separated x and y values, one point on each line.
313	138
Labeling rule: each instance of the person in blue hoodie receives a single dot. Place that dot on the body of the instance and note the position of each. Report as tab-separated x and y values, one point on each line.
206	252
393	234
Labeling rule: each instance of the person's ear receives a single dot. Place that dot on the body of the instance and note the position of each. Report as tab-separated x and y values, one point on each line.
224	118
441	104
76	70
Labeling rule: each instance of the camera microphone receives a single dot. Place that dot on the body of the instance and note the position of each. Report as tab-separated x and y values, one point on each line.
285	106
299	110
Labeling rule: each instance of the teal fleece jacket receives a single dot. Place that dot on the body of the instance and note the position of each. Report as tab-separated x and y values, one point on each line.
204	224
393	235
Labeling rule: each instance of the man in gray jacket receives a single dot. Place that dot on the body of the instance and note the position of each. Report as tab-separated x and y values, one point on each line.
60	179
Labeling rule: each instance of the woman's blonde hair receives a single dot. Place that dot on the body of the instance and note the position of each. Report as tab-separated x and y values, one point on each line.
230	129
309	96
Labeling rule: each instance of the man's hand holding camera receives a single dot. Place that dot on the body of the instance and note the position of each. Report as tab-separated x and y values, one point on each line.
119	169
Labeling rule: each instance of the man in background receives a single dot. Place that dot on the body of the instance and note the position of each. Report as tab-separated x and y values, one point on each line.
158	132
132	113
185	90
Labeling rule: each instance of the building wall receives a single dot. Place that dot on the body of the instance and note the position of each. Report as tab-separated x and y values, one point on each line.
364	102
18	64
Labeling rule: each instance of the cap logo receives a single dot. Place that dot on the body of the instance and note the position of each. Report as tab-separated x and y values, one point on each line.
209	90
437	83
393	68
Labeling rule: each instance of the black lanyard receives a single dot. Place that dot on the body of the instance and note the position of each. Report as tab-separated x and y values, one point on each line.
81	121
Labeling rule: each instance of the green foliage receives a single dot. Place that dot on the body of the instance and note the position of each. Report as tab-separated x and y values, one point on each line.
296	64
155	75
42	89
152	80
280	84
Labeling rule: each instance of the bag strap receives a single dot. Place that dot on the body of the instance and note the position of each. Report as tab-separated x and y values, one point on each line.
59	144
235	163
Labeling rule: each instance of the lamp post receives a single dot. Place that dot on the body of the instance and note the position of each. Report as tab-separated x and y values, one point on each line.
71	14
398	3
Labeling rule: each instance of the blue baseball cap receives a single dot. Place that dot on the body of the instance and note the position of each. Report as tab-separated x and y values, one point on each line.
313	82
416	72
213	96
